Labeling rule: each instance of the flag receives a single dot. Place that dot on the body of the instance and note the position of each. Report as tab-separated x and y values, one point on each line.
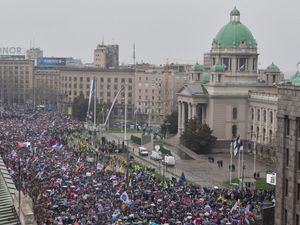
90	96
20	144
27	144
237	145
182	179
124	197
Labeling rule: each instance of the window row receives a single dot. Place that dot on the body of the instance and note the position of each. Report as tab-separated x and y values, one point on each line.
109	79
264	112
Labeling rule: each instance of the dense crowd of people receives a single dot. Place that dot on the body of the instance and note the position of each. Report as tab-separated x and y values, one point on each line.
49	162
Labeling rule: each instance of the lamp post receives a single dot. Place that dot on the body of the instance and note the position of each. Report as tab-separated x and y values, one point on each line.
167	126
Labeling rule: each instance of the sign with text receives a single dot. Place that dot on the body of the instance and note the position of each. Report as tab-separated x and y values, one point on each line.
12	51
51	61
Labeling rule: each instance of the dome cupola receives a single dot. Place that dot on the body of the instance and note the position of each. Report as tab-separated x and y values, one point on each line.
234	34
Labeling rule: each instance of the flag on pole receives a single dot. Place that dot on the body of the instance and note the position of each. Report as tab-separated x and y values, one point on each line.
124	197
237	145
90	96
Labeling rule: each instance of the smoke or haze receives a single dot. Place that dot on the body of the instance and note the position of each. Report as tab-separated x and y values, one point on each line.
180	30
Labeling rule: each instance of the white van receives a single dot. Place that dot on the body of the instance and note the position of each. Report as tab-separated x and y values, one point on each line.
169	160
156	155
143	151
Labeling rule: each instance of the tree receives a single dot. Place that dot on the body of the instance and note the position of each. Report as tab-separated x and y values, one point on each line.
198	137
80	107
170	124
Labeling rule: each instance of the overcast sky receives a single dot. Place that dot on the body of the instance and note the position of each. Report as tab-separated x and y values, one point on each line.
180	30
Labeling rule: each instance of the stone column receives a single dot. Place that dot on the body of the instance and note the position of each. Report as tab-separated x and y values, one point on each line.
204	114
183	116
194	110
179	118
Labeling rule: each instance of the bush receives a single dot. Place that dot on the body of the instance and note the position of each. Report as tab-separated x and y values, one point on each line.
135	139
165	151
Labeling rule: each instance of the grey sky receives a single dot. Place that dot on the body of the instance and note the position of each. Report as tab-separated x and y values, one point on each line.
181	30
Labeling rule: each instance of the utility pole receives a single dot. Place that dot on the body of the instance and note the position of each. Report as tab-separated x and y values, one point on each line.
125	136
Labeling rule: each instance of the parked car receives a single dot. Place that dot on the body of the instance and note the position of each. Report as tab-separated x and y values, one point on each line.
169	160
156	155
143	151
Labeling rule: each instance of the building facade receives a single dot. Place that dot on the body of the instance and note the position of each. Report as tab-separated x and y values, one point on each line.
16	80
225	95
106	56
34	53
287	207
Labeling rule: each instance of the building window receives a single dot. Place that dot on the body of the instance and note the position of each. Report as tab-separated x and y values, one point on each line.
271	117
108	80
219	78
297	219
298	191
242	64
234	113
257	133
264	134
258	115
234	131
286	187
265	115
226	64
251	131
252	113
298	127
87	79
287	125
298	160
270	136
116	80
285	217
287	156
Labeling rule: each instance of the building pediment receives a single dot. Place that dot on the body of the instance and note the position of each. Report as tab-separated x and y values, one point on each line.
192	90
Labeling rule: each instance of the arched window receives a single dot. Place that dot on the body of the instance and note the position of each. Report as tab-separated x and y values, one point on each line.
234	131
265	115
257	133
234	113
270	136
264	135
271	117
252	113
258	115
251	132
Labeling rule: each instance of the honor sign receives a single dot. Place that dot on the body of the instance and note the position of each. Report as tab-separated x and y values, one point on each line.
11	51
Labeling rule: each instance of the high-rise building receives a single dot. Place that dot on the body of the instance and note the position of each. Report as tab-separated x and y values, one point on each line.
287	207
106	56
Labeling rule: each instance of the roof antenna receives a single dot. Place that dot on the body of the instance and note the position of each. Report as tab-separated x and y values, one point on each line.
298	63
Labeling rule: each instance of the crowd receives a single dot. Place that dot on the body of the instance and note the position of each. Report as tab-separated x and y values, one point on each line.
67	186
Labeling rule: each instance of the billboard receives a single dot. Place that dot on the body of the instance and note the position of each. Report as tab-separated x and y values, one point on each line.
271	178
51	61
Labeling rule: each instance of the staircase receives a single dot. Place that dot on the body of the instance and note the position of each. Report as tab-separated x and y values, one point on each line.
8	215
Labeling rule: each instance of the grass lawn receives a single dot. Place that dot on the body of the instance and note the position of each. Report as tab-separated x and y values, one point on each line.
260	184
119	130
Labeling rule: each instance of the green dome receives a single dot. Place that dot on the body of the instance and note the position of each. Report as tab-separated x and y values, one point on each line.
197	67
295	79
273	69
205	77
217	68
234	33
